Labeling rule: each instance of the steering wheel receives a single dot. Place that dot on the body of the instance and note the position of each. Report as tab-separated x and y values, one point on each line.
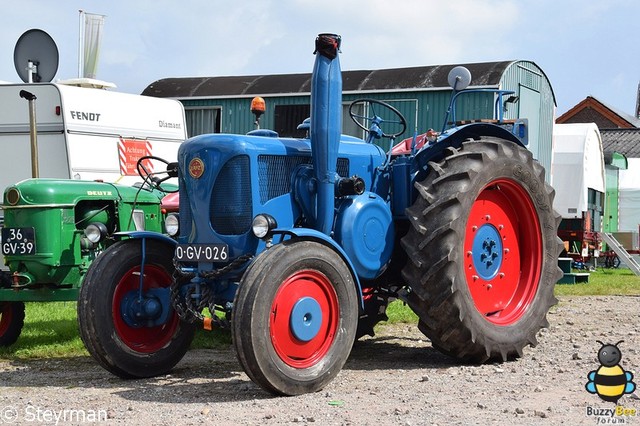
373	123
151	177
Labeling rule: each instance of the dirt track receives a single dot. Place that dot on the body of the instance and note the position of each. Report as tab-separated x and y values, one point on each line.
393	378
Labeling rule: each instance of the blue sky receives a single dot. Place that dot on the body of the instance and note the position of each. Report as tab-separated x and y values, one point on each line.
584	47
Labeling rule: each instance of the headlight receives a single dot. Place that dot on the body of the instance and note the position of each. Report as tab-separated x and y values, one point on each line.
13	196
172	224
262	225
95	232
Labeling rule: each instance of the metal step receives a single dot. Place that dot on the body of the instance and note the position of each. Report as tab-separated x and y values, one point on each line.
621	252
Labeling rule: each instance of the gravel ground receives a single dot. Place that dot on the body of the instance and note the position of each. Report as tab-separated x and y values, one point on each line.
395	378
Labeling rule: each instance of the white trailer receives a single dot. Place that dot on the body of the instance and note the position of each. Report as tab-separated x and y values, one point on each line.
577	166
85	133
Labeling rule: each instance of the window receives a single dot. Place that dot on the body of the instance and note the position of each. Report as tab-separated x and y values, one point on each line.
202	120
348	126
288	117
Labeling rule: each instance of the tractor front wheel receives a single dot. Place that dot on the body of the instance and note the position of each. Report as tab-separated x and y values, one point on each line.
295	317
11	322
124	313
483	251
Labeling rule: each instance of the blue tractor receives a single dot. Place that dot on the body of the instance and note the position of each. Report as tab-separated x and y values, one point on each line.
298	245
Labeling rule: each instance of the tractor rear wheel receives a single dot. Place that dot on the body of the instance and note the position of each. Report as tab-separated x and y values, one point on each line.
483	251
11	322
123	344
295	316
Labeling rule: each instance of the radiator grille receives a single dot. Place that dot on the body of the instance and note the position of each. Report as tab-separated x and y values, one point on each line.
185	209
231	208
274	173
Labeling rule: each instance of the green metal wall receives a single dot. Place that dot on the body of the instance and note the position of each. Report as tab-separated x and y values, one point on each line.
613	165
611	200
536	103
425	108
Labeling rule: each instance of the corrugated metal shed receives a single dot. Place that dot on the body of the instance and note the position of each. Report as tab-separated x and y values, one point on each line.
428	77
420	93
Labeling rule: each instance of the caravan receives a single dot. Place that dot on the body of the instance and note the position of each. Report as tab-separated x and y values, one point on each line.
85	133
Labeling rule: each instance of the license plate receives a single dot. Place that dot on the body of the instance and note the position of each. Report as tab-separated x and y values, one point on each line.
18	241
202	252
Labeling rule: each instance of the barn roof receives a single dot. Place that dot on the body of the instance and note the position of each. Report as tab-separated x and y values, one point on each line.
624	141
396	79
591	109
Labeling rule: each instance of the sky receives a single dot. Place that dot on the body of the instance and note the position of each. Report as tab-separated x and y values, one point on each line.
586	48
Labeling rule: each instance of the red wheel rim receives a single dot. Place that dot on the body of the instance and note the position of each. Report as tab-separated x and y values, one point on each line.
303	285
503	252
6	315
142	339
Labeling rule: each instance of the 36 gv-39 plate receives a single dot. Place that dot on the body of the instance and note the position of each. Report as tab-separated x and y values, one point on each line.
18	241
202	252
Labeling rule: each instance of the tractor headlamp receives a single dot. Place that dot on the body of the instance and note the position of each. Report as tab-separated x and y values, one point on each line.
13	196
262	225
96	232
172	224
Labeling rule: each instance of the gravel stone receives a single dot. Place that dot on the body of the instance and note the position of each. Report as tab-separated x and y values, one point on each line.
395	377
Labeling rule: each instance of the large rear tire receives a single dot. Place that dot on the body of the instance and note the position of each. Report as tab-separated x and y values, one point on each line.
295	317
125	348
11	322
483	251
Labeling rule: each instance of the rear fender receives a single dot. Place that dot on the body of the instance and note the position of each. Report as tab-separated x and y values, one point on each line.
454	138
311	234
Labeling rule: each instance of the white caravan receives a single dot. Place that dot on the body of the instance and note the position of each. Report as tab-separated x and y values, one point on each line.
85	133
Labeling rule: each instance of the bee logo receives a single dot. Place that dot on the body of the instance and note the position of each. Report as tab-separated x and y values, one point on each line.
610	381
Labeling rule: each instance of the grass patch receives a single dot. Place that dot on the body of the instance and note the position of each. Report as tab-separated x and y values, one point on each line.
398	311
51	329
619	281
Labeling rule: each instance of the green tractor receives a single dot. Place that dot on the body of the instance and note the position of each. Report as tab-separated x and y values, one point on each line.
54	228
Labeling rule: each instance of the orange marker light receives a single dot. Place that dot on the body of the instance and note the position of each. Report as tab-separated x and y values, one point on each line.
257	105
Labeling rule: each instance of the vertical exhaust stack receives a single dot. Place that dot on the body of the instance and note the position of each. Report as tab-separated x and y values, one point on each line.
326	125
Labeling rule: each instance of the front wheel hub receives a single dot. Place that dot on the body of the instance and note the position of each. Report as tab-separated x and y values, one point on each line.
306	319
145	311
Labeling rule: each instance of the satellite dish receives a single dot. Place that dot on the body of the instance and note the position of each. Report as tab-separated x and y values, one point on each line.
459	78
36	57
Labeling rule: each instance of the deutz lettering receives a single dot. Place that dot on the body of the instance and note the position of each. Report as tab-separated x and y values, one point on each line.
100	193
87	116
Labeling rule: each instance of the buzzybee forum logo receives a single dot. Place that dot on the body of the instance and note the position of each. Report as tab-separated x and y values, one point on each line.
610	381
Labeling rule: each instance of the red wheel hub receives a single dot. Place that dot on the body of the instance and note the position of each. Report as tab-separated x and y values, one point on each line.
503	252
304	318
142	339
